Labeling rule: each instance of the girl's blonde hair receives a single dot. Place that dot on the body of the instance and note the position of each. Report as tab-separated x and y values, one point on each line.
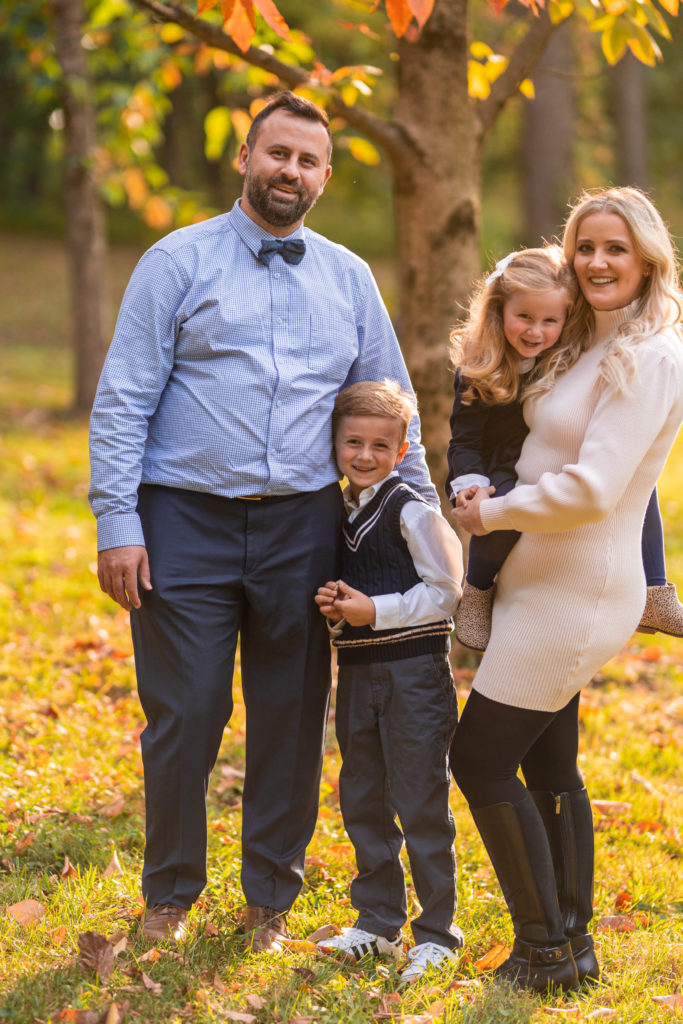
479	349
660	303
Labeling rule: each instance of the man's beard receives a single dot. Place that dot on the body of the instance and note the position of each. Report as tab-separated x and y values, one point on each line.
277	212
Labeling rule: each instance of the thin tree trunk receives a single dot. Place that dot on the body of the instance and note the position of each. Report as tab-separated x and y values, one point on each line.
628	103
85	235
437	199
547	140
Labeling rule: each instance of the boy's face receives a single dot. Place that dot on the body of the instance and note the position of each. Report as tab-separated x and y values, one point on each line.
367	449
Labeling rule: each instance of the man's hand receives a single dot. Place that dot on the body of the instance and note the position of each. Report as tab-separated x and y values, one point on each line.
467	514
118	570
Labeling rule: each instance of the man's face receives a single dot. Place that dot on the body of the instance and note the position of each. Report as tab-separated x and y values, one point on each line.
284	172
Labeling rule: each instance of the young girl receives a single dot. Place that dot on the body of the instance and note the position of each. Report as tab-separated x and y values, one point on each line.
519	336
571	592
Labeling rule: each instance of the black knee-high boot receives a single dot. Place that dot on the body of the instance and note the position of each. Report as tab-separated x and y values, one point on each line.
568	822
516	841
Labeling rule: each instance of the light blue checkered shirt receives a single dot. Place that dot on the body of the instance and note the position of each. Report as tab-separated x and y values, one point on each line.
222	373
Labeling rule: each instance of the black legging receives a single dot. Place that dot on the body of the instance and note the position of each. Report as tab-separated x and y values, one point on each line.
493	739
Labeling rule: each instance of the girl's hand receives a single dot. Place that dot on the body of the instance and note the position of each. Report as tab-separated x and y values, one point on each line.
468	516
465	495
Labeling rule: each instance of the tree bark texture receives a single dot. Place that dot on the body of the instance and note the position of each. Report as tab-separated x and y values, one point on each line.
628	104
436	196
548	132
85	235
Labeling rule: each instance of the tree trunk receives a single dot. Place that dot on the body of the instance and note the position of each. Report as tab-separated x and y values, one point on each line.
437	200
628	103
547	141
85	236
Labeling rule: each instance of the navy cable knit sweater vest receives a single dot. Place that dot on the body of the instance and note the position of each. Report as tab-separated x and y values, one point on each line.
376	560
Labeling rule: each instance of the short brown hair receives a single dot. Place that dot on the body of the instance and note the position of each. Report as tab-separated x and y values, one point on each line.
375	398
298	106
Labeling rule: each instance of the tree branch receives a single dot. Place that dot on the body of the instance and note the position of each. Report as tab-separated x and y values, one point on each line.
522	62
387	135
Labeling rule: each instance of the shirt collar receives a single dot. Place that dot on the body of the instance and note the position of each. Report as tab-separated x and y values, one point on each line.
251	233
365	495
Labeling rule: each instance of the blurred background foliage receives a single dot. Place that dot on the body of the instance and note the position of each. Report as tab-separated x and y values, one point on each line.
153	98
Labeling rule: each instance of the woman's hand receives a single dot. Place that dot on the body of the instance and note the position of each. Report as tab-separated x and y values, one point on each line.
467	515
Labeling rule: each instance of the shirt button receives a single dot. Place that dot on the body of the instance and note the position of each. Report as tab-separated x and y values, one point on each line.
276	274
278	403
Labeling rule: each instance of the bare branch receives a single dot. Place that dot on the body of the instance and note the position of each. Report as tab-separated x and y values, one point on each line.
522	63
387	135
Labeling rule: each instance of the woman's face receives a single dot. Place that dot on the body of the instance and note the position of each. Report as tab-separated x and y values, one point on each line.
610	272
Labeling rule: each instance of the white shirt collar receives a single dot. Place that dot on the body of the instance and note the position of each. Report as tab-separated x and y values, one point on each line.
353	507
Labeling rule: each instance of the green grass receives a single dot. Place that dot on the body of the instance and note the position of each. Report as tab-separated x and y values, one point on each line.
72	782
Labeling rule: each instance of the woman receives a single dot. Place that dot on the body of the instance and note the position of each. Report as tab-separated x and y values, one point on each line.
571	592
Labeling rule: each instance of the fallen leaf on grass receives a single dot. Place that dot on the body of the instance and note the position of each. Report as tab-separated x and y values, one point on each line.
623	901
325	931
152	986
76	1016
113	868
58	935
113	808
298	1020
602	1013
610	806
24	843
68	871
497	955
672	1002
616	923
256	1002
304	972
27	912
119	944
96	954
210	930
464	983
247	1018
563	1011
114	1015
300	945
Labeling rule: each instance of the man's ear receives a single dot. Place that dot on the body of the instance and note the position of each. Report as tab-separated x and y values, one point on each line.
401	452
243	158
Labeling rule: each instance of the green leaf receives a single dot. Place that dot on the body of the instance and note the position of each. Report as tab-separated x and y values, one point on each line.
613	42
217	127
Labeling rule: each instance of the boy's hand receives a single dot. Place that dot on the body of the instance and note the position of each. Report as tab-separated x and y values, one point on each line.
340	601
325	599
357	608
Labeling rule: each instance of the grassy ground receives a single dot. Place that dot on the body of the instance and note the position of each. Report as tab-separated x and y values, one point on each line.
71	800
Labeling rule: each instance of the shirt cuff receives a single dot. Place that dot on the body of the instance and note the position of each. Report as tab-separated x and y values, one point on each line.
119	531
466	480
387	610
494	514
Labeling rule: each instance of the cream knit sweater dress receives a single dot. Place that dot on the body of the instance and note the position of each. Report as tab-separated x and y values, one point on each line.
572	591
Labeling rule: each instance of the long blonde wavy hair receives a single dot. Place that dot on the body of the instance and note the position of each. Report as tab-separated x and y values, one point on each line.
659	305
488	364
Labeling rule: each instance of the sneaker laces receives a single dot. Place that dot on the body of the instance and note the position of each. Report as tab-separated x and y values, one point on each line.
428	953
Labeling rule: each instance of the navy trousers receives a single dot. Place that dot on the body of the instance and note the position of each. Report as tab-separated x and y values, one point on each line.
220	568
394	723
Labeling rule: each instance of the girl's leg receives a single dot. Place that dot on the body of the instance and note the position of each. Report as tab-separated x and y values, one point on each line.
653	544
486	556
490	742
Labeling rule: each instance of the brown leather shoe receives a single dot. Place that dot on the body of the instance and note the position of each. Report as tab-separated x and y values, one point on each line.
165	923
264	928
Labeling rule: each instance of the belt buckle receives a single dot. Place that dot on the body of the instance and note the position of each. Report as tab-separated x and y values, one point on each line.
249	497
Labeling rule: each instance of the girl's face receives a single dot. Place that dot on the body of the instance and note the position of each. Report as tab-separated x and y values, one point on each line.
533	321
610	272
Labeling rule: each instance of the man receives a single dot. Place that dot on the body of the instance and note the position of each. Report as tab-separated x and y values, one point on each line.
218	507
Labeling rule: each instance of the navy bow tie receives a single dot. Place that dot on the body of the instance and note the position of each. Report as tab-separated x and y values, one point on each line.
292	249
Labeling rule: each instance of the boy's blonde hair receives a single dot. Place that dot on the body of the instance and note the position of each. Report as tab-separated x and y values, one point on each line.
375	398
479	349
660	303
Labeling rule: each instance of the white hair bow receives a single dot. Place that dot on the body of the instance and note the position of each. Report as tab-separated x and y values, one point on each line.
500	267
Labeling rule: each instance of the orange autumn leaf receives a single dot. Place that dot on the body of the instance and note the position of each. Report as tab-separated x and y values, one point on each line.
602	1013
616	923
27	912
672	1002
623	901
24	843
399	14
301	945
273	17
68	870
58	936
610	806
494	958
241	25
421	9
325	931
113	868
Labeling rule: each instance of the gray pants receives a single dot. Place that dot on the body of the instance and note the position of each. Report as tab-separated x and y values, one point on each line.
395	721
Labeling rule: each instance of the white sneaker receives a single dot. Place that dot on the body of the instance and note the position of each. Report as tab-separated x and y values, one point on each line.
427	954
357	943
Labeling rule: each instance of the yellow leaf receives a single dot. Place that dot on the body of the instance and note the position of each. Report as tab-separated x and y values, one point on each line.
615	6
171	33
670	6
642	45
363	151
27	912
478	84
399	14
349	94
495	956
273	17
559	10
217	128
480	50
241	123
526	87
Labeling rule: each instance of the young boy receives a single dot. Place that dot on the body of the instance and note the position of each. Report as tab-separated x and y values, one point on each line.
389	616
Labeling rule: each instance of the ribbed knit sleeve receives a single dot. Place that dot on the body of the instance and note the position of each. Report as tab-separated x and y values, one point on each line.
621	430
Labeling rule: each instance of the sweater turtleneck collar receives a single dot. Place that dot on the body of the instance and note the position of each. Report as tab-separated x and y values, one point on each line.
608	321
